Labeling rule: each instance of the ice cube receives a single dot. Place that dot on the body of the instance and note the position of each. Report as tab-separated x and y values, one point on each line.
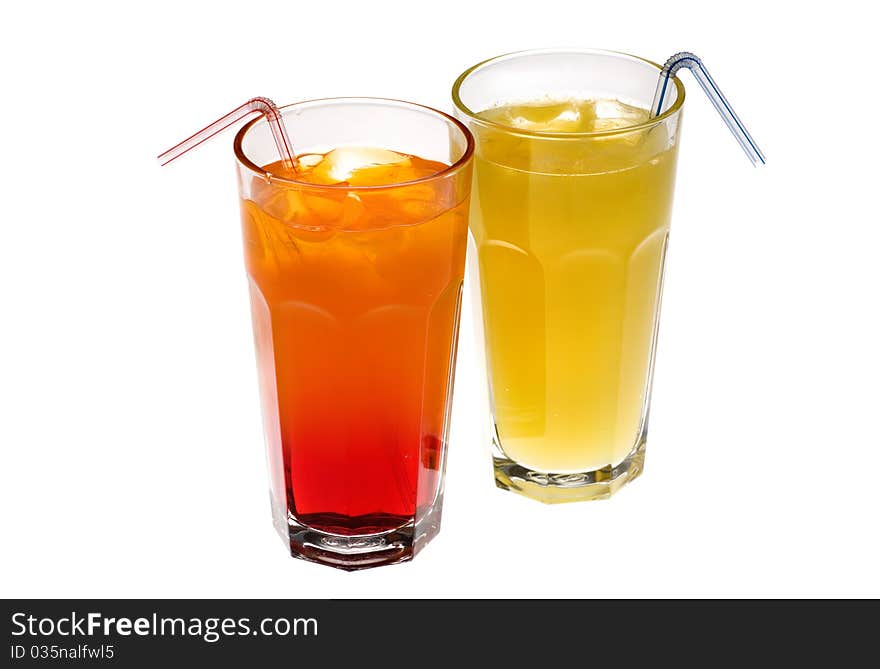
568	115
340	165
420	202
308	160
284	204
539	117
614	114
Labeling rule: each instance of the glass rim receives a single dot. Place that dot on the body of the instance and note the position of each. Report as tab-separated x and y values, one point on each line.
542	134
274	178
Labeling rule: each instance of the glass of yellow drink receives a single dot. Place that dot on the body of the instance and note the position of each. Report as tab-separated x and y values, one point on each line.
573	184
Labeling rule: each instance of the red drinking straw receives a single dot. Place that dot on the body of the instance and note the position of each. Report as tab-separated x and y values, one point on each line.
262	105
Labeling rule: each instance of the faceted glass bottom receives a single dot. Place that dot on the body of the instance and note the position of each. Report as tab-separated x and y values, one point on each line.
351	552
553	488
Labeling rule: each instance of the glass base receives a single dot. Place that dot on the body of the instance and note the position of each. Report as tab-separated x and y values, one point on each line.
559	488
360	551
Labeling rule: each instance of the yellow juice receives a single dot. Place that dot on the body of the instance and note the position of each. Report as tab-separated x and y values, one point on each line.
571	233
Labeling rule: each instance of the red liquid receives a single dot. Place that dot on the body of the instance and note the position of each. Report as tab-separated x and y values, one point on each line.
355	304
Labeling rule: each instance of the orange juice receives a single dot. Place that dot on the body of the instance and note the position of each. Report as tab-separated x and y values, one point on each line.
571	237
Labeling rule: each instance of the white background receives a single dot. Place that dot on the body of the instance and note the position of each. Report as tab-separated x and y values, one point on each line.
132	456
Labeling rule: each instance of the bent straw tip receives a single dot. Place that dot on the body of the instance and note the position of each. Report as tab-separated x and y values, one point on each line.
690	61
262	105
676	61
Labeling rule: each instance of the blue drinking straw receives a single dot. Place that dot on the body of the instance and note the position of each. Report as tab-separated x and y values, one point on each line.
701	74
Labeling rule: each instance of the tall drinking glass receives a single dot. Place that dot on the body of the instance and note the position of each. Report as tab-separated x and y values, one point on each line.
570	220
355	295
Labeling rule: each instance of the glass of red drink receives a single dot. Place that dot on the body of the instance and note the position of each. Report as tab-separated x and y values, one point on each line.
355	263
